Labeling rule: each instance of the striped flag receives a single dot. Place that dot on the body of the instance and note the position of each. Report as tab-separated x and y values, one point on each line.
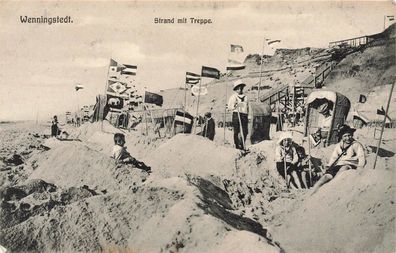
236	58
128	70
183	117
210	72
192	78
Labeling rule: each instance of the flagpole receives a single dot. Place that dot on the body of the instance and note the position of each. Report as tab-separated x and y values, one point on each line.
199	94
261	69
78	106
384	21
225	106
105	91
383	126
226	97
185	104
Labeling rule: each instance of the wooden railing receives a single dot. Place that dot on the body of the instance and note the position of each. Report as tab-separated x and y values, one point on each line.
354	42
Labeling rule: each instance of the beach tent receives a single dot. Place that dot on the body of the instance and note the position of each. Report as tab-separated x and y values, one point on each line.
339	105
260	121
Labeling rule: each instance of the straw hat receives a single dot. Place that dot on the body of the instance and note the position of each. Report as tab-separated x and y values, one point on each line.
284	135
238	83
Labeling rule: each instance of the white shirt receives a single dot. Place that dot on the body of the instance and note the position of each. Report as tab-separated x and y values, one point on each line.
117	152
238	103
354	155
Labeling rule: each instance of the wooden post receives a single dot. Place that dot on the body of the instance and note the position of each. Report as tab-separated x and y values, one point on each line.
199	94
383	125
261	70
225	107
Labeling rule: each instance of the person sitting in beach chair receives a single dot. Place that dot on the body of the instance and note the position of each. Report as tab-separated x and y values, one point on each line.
302	166
286	159
122	156
324	124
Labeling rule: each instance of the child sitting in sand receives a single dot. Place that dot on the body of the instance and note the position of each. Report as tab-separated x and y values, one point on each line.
122	156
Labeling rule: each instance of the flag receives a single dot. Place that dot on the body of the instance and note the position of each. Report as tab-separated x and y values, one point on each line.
382	112
273	41
152	98
236	49
114	69
210	72
183	117
79	87
115	102
390	18
185	120
236	58
116	87
192	78
362	99
269	46
127	69
199	91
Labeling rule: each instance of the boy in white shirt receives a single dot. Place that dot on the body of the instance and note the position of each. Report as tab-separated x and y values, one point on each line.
122	156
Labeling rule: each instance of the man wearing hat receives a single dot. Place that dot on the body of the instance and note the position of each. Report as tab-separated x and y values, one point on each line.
238	104
348	154
209	127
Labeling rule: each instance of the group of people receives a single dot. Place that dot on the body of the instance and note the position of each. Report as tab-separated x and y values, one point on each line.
292	162
293	165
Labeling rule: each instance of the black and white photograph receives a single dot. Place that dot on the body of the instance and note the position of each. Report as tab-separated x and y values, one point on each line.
197	126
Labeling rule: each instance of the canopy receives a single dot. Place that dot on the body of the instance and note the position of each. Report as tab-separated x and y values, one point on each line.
329	95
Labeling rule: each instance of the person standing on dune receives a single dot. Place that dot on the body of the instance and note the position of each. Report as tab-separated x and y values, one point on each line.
238	104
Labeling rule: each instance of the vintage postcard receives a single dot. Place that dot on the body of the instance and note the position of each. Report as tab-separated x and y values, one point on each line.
207	126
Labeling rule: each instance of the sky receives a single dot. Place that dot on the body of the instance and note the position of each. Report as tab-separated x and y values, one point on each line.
42	63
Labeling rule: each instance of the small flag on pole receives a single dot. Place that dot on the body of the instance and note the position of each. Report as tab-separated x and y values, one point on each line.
129	70
390	18
192	78
210	72
201	91
79	87
236	58
273	41
271	46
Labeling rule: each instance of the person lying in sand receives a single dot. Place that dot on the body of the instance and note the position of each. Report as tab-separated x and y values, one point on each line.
348	154
122	156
